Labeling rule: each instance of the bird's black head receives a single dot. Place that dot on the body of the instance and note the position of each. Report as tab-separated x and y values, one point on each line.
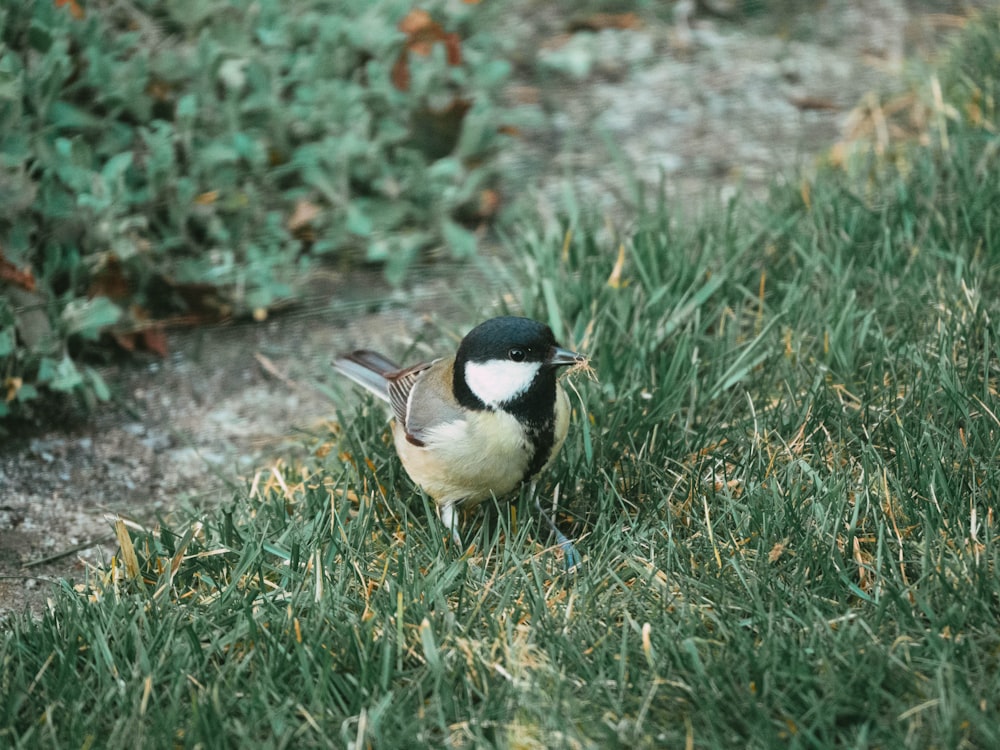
510	363
507	338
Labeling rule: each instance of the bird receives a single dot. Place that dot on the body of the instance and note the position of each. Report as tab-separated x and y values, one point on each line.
480	423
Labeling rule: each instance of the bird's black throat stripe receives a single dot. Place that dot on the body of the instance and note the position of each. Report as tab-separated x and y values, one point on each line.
534	409
542	437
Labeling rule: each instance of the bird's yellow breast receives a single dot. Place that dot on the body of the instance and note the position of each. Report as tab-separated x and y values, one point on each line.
470	459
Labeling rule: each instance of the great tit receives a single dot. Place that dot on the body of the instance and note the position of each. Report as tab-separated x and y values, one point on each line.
480	423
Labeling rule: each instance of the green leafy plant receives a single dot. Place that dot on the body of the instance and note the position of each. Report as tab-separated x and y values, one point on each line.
150	148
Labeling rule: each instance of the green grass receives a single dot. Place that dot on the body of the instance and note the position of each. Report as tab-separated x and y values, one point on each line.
784	484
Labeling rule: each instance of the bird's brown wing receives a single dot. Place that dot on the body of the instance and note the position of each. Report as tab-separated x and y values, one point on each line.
401	384
421	398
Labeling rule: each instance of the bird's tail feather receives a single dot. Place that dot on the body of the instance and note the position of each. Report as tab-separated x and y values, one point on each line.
368	369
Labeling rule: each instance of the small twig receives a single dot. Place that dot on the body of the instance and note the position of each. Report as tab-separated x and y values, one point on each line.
43	579
67	552
272	369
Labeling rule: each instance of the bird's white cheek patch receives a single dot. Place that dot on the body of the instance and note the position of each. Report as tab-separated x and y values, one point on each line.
499	381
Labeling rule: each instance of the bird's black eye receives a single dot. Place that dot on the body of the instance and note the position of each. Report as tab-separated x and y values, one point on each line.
516	354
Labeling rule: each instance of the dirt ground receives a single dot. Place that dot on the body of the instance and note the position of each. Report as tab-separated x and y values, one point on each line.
711	102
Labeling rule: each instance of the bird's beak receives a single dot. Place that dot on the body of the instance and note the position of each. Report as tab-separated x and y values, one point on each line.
559	357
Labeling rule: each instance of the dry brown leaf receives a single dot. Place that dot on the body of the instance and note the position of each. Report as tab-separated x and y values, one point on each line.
14	275
303	215
75	9
599	21
423	33
489	203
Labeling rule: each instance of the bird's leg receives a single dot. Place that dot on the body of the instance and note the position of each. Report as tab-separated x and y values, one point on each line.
450	521
572	557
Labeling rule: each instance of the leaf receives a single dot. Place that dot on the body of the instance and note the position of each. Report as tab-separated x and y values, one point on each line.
116	167
97	384
489	203
12	274
232	73
89	316
110	281
304	214
357	222
461	241
6	342
599	21
46	370
437	130
66	116
31	318
11	82
187	107
125	340
493	73
422	34
26	392
155	340
13	385
65	376
75	9
397	253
